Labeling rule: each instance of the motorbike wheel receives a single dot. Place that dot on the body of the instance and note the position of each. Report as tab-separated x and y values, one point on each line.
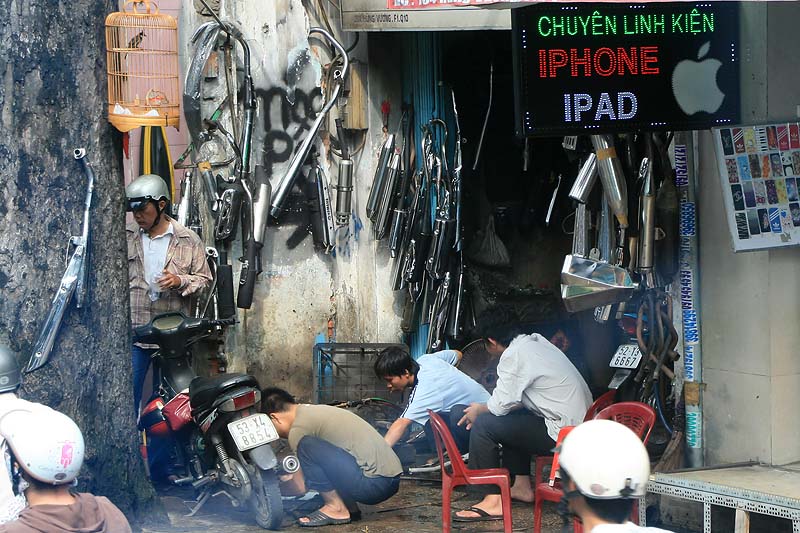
266	500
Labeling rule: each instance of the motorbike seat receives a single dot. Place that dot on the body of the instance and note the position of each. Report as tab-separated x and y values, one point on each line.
203	391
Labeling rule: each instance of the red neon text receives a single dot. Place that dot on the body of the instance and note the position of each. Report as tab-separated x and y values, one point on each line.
605	61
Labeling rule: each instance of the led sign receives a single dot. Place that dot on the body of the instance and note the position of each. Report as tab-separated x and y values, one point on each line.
621	67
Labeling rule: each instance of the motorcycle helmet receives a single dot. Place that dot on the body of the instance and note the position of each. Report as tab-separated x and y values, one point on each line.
146	188
605	460
10	377
47	445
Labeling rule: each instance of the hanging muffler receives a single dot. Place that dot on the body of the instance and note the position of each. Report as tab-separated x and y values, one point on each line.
588	283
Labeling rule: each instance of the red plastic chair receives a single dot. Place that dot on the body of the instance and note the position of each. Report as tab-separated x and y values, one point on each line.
551	490
636	416
599	404
639	418
459	474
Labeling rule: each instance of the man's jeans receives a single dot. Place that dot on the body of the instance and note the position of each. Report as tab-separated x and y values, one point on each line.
327	467
460	433
521	434
159	449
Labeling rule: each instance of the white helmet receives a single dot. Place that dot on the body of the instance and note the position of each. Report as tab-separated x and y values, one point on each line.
144	189
47	444
606	460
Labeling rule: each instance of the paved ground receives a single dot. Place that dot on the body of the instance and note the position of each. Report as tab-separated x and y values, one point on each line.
416	508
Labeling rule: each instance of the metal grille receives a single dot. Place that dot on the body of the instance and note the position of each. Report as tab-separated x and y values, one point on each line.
735	499
343	372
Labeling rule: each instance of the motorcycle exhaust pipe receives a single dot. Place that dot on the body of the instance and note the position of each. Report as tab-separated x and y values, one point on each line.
380	174
326	212
647	215
287	182
396	231
290	464
585	180
612	176
386	197
261	204
344	191
581	234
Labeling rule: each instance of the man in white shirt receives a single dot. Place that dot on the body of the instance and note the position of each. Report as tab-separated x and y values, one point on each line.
538	392
604	466
436	385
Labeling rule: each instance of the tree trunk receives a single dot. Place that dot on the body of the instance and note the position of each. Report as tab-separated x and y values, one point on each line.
52	100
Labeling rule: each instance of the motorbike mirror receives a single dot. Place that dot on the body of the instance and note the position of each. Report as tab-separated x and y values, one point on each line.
587	283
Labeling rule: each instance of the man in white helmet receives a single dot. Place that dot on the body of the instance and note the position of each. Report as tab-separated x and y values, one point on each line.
46	453
167	269
604	467
11	504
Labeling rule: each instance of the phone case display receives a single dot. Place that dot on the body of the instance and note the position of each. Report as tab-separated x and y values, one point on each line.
759	168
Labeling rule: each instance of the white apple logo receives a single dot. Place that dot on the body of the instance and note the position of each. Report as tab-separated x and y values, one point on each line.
694	84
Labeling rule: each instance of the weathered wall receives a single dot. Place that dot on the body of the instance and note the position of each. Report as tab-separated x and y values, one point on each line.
302	291
751	362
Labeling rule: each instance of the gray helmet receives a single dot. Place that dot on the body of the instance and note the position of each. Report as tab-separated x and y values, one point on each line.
10	377
146	188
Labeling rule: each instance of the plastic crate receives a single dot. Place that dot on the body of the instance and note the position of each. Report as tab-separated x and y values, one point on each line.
343	372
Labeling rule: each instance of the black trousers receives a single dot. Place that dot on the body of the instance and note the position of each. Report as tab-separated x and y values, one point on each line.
327	467
460	433
521	433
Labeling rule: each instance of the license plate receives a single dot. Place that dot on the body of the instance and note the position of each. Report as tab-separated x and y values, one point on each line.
252	431
627	356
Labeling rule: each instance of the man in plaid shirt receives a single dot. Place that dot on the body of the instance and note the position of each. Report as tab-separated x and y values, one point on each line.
167	266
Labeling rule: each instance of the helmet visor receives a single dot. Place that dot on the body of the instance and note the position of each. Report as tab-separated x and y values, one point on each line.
137	204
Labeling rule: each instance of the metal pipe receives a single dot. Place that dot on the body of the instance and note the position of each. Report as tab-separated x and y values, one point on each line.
584	181
287	182
612	176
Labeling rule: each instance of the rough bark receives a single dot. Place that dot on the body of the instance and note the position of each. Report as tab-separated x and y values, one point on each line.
52	100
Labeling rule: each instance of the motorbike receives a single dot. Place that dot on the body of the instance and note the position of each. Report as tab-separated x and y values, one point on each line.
221	438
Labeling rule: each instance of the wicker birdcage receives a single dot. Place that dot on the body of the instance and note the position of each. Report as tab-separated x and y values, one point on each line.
142	49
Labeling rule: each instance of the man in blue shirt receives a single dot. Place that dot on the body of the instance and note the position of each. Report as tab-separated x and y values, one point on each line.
436	385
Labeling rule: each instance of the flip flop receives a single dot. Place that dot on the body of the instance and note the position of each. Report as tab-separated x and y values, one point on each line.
483	516
318	519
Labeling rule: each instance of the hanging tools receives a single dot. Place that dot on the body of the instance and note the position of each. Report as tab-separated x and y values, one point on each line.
399	210
344	183
387	150
444	226
74	280
386	196
287	181
647	221
613	178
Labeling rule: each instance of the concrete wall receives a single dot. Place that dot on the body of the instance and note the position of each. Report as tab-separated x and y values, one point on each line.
302	292
751	342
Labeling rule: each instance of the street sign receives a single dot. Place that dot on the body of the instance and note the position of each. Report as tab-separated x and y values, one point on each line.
621	67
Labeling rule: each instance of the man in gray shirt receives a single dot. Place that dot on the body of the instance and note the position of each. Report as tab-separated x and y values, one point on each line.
343	458
538	392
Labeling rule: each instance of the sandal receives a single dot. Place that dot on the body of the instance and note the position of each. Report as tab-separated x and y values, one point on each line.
483	516
318	518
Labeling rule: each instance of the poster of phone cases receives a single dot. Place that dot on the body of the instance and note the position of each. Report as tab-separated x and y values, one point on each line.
759	167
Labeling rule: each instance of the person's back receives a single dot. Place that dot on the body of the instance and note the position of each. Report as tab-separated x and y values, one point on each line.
450	386
88	514
552	386
348	432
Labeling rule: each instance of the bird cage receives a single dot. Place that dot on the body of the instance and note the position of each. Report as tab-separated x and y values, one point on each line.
142	50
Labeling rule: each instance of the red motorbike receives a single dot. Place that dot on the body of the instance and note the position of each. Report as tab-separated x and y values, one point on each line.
221	438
